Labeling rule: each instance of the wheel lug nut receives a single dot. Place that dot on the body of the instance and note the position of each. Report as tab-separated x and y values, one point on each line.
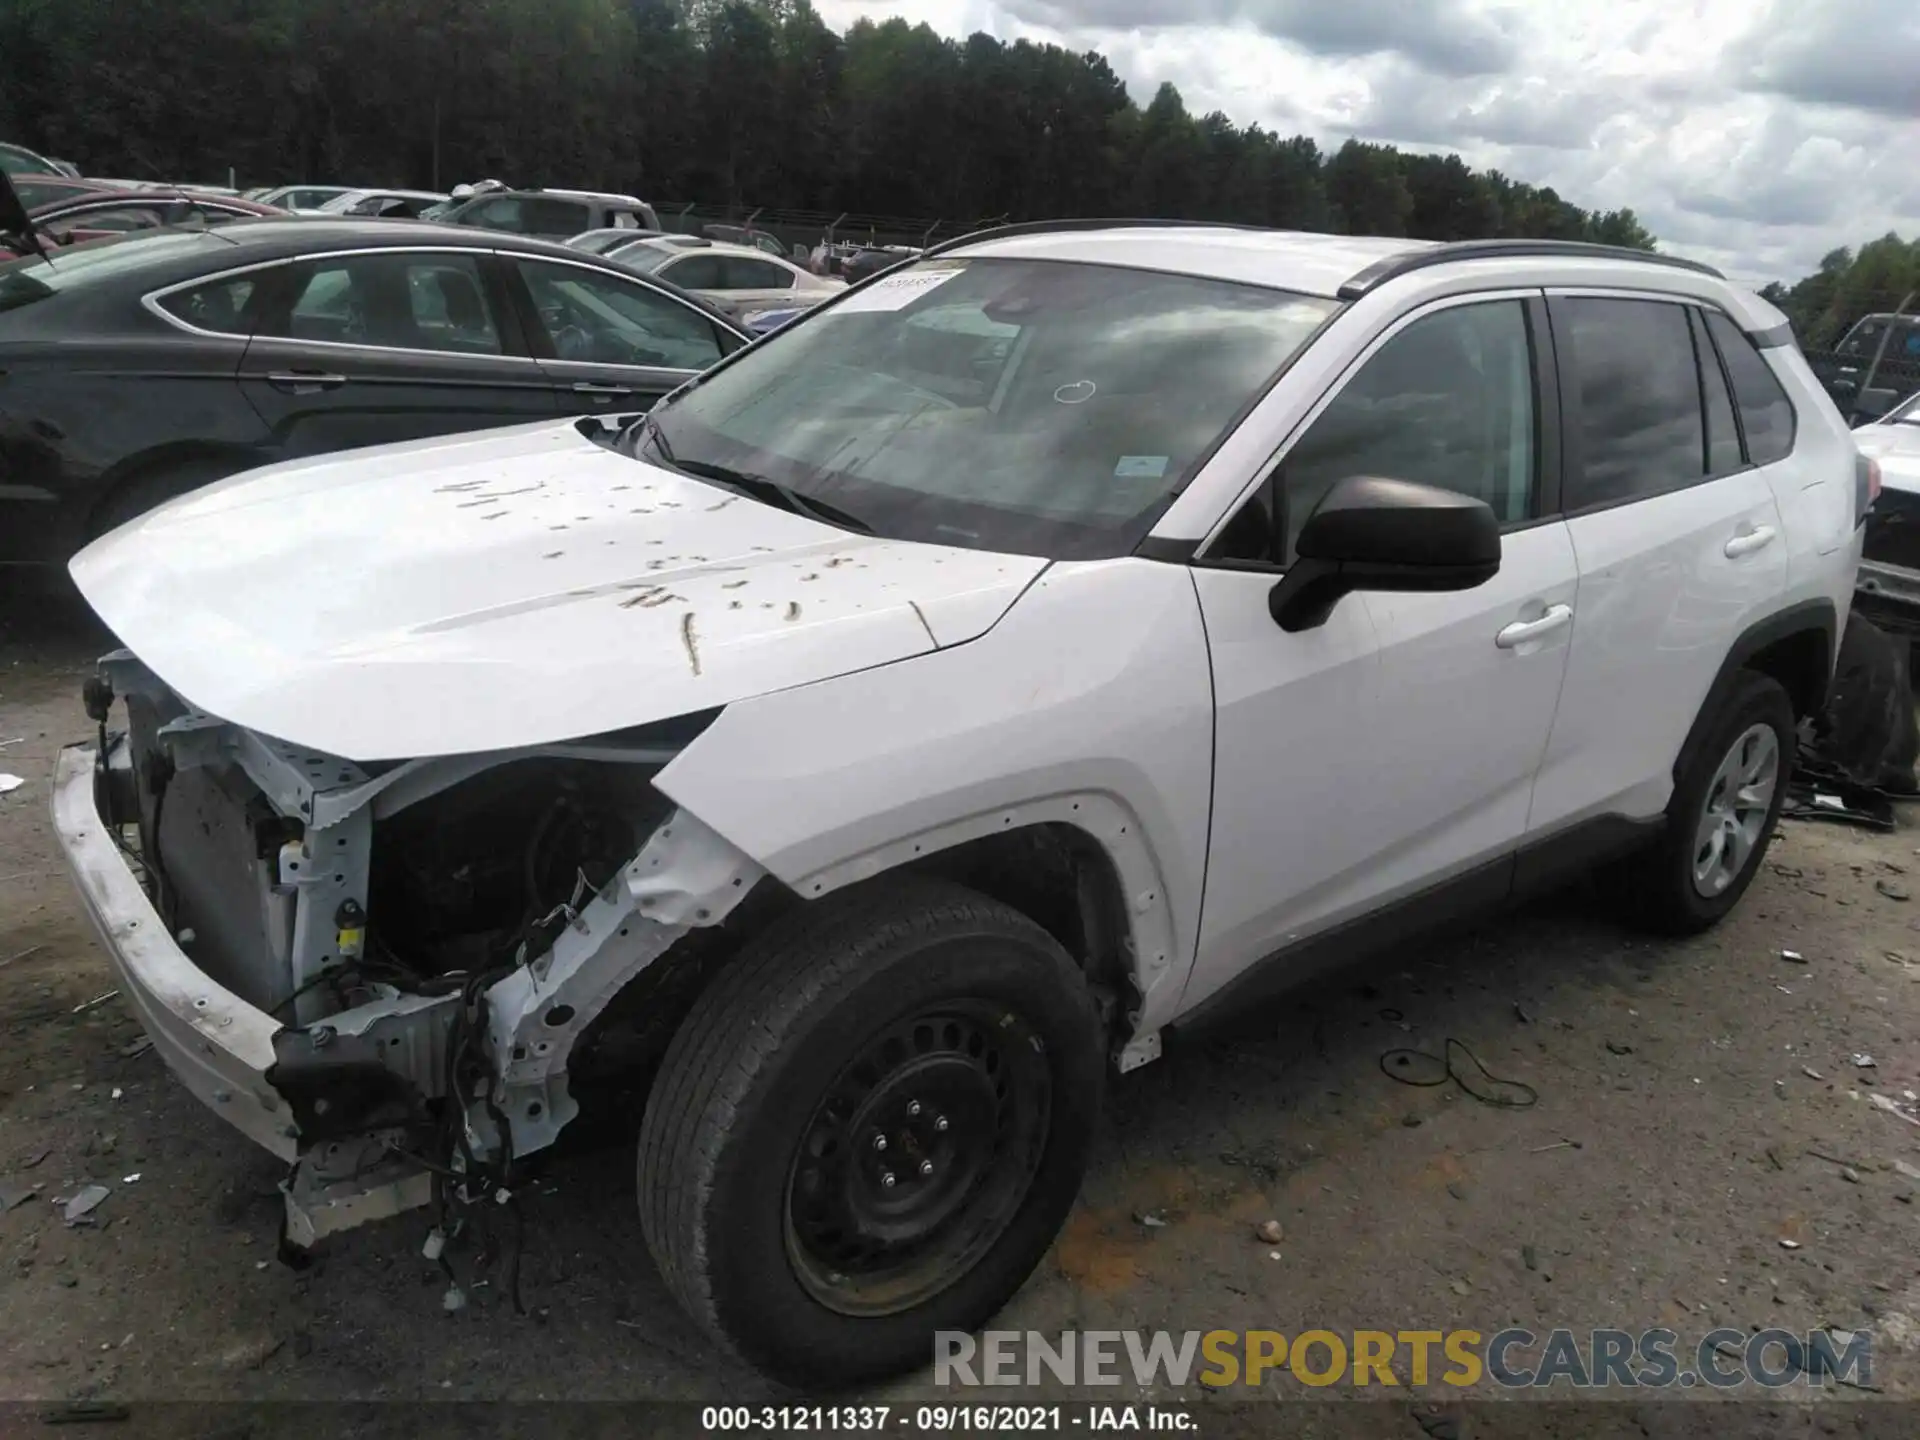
940	1122
913	1107
879	1142
886	1179
926	1167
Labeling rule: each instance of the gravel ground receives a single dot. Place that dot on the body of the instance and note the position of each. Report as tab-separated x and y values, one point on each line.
1699	1105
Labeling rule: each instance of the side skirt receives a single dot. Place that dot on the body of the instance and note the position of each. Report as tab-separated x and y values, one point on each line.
1486	889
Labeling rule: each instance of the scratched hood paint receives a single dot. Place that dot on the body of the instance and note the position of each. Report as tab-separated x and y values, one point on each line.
511	588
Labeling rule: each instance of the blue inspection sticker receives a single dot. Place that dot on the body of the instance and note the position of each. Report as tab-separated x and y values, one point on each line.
1141	467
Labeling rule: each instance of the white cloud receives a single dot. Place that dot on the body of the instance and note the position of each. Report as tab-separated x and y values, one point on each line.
1754	136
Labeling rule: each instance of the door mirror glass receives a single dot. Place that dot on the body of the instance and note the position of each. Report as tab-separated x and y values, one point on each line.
1373	533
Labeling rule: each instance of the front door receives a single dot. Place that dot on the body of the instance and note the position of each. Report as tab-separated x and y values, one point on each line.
608	343
388	345
1394	749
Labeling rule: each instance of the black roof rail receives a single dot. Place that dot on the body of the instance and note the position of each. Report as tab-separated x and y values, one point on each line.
1394	266
1044	227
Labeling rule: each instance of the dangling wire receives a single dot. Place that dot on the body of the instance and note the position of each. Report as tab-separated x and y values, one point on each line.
1399	1066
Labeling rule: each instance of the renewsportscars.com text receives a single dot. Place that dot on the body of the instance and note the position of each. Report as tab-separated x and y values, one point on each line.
1511	1359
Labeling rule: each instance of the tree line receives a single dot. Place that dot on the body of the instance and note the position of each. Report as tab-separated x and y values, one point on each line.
1850	284
740	103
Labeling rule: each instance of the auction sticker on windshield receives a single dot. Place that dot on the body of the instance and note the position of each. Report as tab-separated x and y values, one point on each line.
896	292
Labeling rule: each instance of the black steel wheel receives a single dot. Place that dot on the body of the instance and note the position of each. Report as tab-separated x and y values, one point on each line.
869	1128
917	1158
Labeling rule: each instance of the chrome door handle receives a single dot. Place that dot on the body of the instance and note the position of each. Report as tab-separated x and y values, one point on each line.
594	387
1520	632
1754	540
304	382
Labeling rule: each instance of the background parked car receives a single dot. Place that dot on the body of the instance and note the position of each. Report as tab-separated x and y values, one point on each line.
382	204
98	214
38	190
553	214
737	279
742	235
273	339
19	160
602	242
299	197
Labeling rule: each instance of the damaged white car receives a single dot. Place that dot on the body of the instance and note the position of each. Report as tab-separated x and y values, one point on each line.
911	719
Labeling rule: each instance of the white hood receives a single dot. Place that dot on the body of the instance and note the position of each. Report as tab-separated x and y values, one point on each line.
516	587
1896	446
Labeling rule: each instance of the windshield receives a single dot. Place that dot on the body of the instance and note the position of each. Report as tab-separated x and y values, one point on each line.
1030	406
1907	412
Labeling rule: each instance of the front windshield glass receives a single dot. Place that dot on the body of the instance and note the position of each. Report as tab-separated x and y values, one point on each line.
1907	412
1030	406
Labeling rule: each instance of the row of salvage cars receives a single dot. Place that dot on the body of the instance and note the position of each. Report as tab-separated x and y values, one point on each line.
832	744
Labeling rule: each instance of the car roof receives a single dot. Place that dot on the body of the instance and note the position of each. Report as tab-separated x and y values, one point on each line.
148	197
591	197
272	236
709	247
243	243
612	197
1346	267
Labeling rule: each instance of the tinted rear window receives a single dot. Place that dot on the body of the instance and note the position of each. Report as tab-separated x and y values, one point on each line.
1766	415
1639	403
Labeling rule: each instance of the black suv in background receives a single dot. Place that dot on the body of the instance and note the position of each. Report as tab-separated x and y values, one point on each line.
137	369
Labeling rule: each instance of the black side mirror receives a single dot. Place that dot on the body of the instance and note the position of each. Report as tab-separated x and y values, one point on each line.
1377	534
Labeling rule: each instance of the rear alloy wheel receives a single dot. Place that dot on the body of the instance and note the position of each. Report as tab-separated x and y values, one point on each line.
1738	805
869	1128
1722	814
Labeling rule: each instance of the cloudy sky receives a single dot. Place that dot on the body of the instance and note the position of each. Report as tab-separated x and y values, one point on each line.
1754	134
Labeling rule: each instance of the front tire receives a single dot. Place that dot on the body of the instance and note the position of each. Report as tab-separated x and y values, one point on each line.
1723	813
869	1128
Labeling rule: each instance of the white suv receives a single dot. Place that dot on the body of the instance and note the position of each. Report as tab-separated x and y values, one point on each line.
1029	650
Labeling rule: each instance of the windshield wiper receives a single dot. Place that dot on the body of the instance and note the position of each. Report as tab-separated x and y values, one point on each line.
757	486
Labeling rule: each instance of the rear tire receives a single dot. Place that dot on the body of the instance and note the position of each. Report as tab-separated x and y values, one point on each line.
911	1012
1722	815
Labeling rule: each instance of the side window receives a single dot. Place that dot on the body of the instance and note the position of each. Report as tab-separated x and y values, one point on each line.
1766	415
738	272
219	305
501	214
1636	398
115	220
402	301
696	272
601	319
554	217
1723	434
1448	401
449	305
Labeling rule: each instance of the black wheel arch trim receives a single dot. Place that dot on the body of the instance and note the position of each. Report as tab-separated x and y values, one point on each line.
1818	617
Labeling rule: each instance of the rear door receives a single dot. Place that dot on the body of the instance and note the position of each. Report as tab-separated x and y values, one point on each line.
608	342
1677	539
381	345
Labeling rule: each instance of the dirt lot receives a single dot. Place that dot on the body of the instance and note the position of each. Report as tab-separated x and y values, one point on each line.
1699	1104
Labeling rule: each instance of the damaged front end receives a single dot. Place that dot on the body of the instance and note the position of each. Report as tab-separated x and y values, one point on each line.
392	975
